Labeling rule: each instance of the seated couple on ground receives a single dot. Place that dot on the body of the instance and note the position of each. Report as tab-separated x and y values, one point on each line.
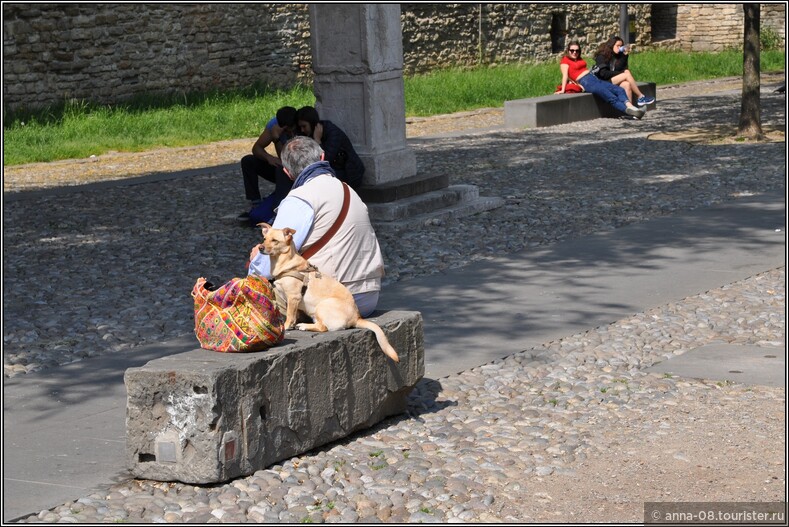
289	122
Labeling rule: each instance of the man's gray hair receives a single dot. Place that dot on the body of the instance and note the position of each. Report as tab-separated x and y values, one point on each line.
299	153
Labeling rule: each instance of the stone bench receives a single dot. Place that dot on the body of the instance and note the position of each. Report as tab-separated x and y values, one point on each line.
550	110
205	417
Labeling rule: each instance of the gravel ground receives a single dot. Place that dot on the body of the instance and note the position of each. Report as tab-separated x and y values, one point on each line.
569	430
118	249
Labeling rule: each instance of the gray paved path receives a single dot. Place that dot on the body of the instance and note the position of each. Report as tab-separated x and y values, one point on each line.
64	434
497	307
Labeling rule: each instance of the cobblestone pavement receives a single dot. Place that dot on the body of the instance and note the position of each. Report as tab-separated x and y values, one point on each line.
573	429
568	431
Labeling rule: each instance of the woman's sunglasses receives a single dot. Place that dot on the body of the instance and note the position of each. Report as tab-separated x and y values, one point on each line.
576	50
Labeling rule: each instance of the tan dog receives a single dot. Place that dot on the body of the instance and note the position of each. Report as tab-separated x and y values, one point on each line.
321	297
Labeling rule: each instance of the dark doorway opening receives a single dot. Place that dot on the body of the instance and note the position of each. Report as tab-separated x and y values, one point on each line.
558	32
664	22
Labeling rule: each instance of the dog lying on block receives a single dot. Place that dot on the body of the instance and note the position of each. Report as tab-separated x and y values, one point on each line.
319	296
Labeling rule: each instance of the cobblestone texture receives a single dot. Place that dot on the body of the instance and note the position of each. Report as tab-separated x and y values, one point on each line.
572	430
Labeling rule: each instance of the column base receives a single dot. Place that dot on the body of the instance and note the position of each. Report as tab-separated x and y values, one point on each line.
381	168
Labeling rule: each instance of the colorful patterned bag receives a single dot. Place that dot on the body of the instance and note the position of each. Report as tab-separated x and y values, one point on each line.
240	316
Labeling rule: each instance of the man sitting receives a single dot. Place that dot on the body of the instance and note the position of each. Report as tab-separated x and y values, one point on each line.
261	164
352	256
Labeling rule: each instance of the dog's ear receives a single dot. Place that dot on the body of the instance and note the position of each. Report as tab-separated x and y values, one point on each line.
288	232
264	227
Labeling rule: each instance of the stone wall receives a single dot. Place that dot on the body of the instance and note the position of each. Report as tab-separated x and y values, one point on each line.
470	34
111	52
773	16
697	33
717	27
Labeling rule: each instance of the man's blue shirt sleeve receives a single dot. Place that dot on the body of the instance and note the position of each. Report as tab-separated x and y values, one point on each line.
294	213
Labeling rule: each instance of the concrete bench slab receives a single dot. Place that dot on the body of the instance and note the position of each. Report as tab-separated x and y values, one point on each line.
550	110
205	417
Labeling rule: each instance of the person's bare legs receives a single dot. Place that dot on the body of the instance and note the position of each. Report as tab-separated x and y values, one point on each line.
628	90
626	76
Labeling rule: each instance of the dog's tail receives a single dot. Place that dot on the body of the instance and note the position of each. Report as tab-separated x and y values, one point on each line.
387	348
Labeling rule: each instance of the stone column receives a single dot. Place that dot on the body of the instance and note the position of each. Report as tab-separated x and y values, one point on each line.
357	57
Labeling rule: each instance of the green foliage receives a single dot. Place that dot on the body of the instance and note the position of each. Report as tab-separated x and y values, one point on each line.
453	90
76	129
382	462
669	67
769	39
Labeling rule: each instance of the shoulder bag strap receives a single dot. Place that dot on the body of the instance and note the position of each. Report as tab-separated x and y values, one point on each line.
317	246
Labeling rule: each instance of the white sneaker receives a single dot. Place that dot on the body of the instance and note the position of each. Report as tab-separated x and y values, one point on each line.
638	113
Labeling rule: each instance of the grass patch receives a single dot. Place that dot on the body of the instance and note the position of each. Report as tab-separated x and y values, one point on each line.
453	90
79	130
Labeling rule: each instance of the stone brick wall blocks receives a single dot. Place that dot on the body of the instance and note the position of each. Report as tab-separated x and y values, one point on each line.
193	47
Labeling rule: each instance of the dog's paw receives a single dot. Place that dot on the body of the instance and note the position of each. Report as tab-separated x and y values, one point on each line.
302	326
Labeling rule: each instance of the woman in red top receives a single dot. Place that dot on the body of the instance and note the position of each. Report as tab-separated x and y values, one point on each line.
574	69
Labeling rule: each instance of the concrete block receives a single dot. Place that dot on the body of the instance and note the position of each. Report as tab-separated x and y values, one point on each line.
462	209
401	189
205	417
422	203
550	110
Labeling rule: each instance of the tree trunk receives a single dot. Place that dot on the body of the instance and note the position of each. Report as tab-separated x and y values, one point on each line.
750	112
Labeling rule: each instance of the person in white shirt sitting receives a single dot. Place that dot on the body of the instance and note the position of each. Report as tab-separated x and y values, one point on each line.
352	255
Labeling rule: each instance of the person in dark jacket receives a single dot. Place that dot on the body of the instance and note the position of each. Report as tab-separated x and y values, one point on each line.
611	66
338	149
